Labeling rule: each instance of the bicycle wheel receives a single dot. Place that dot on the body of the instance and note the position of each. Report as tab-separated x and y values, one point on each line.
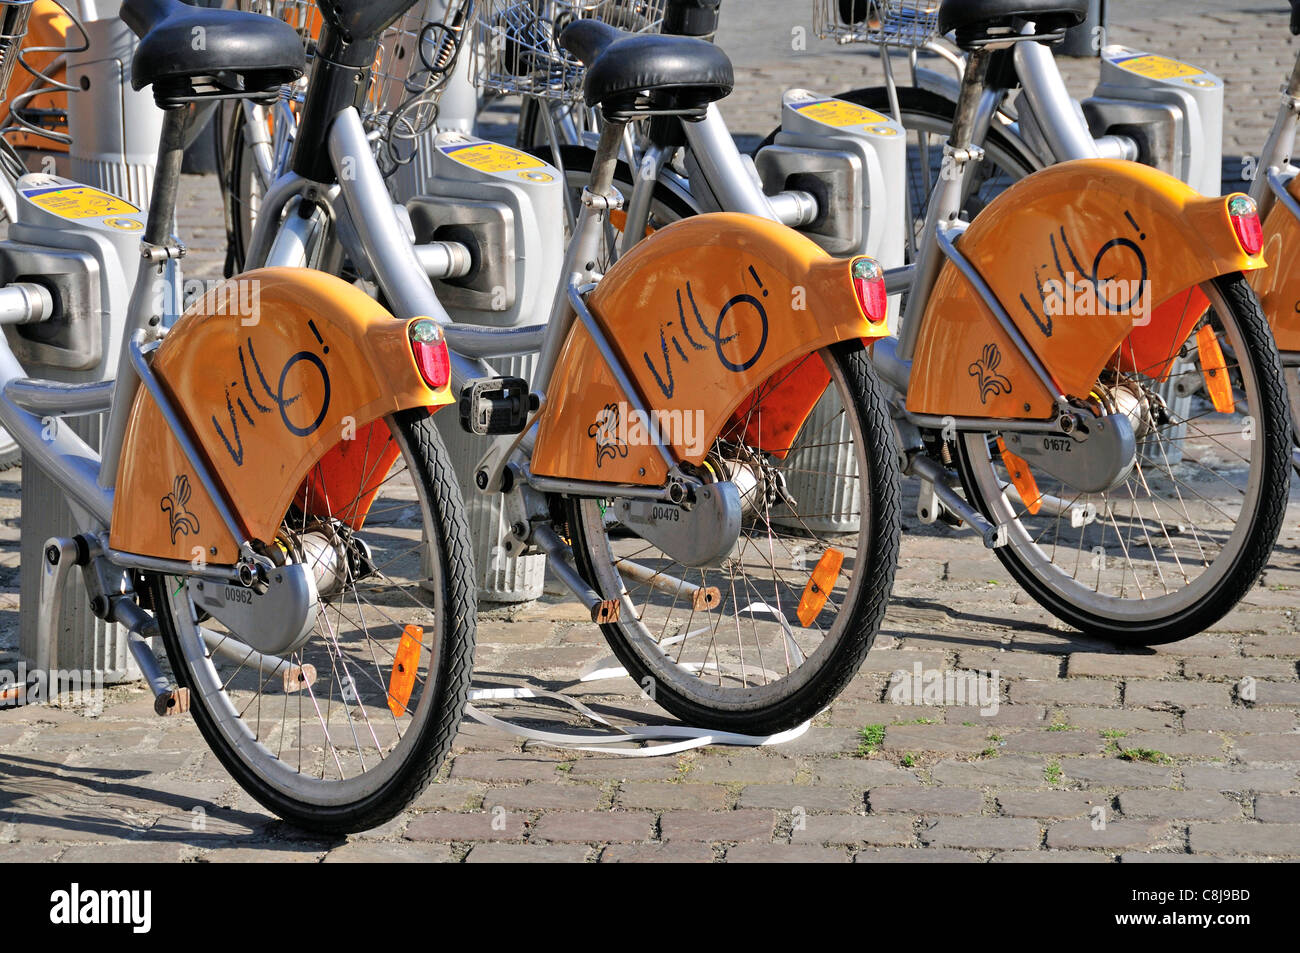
350	731
767	638
1175	546
241	185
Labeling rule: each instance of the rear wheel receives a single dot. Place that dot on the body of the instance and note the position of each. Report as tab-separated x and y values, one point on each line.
1176	545
799	598
349	730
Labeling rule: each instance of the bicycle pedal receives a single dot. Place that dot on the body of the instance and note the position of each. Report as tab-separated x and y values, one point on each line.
496	405
174	702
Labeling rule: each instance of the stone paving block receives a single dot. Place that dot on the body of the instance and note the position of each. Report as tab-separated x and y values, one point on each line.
450	796
1116	773
809	798
1167	857
1244	837
1140	693
594	827
714	826
29	853
855	829
1050	857
1007	716
860	773
1195	744
1052	742
261	855
1115	665
1268	748
527	854
624	769
1275	809
1239	721
727	769
1205	644
785	854
1277	693
912	855
1235	668
1180	805
1049	804
1119	719
138	852
941	738
998	833
1010	664
678	852
1284	645
664	795
1061	691
480	825
1113	834
540	796
1239	778
1005	771
375	852
926	800
496	767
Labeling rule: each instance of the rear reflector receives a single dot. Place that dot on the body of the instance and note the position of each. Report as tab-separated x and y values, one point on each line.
430	352
1245	222
869	287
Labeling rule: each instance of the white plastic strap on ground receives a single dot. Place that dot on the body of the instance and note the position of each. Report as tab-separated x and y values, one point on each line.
680	737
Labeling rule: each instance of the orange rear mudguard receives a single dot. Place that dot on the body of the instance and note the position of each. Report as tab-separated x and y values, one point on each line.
1080	222
702	314
280	374
1279	287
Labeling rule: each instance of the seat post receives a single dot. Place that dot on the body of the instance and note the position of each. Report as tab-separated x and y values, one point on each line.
167	176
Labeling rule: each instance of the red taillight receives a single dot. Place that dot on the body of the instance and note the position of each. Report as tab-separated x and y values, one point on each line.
1245	222
869	286
430	352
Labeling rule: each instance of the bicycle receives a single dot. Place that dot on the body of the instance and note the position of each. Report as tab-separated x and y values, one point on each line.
649	476
1068	541
271	500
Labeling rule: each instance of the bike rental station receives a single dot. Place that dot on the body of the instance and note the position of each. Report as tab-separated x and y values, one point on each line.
504	404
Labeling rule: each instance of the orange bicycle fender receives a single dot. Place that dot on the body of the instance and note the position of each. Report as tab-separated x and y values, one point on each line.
702	314
1279	287
1092	259
276	371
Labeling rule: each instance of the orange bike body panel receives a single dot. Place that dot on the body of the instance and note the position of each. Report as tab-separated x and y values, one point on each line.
1279	287
272	371
1095	232
701	314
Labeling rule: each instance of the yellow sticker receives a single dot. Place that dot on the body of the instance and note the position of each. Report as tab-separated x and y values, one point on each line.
1157	67
78	201
838	113
492	157
124	224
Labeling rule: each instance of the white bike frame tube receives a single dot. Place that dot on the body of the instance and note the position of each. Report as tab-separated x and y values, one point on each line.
1067	136
723	167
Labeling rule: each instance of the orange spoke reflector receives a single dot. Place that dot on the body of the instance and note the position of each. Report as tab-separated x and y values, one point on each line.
405	664
819	586
1024	481
1215	370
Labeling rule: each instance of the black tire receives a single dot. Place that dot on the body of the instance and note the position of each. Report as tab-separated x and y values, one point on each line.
455	644
238	176
1262	521
863	607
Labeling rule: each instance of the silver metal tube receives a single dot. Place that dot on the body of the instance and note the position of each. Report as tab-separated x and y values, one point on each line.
702	598
794	208
444	259
474	340
643	191
384	241
65	400
25	303
724	169
276	198
1049	99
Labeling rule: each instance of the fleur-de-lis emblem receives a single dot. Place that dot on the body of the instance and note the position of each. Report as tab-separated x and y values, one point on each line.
183	522
985	371
605	432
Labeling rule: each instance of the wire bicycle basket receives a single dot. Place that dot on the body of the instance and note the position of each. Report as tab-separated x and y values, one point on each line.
901	23
518	42
35	43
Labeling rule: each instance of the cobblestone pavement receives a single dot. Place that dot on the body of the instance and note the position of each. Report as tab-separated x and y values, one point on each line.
1093	755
